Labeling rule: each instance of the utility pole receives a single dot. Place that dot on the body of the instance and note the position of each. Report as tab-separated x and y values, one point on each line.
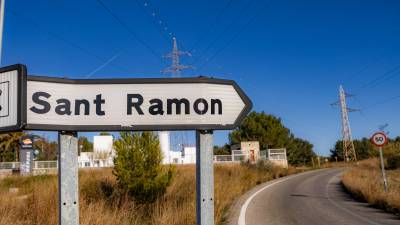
2	5
349	152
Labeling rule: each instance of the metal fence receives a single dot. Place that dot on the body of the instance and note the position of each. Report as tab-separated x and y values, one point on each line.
9	165
278	156
238	156
36	165
223	158
45	164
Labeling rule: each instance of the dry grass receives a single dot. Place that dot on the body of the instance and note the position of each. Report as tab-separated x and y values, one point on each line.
36	201
365	182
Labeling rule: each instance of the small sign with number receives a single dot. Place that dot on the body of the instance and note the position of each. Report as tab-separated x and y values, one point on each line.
379	139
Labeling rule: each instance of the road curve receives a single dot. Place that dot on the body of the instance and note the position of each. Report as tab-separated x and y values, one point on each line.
311	198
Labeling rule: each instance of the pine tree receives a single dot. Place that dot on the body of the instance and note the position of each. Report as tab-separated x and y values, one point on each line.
138	166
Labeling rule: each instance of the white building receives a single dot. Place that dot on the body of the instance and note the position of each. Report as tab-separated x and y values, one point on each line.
186	156
189	155
103	153
174	158
246	151
163	136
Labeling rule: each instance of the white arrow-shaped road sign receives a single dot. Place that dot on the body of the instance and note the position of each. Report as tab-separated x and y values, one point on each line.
123	104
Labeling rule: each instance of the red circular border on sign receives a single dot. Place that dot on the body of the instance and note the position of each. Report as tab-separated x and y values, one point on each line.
373	142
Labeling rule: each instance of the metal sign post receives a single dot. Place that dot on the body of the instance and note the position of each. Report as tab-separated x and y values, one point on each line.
383	169
68	201
379	139
204	178
68	106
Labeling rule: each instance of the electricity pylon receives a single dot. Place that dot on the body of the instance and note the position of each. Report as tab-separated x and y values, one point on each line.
348	145
176	67
179	139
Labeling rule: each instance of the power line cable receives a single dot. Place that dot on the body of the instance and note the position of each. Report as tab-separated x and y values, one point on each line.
386	79
156	23
267	4
213	25
387	100
378	58
133	34
382	78
221	34
61	38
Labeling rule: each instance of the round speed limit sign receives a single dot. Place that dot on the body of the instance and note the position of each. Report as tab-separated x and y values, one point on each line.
379	139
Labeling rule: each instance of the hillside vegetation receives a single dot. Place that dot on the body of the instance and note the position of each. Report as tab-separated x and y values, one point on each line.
365	182
35	203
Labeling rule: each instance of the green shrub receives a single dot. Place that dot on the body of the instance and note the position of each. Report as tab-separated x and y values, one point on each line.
393	162
138	167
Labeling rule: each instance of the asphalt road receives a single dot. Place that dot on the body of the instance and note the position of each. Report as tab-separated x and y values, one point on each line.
312	198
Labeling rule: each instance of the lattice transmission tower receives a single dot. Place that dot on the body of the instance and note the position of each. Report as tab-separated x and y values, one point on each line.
176	67
349	151
178	140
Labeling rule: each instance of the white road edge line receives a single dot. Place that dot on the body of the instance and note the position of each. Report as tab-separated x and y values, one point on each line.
242	215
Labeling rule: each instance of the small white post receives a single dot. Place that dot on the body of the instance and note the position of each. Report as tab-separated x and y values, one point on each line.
204	178
68	201
383	169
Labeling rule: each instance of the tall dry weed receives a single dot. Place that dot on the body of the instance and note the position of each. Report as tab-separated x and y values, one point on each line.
365	182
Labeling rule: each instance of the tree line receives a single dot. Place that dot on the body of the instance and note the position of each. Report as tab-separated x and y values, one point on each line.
365	149
270	132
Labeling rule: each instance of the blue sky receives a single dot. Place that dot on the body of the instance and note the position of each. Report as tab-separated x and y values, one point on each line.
289	56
